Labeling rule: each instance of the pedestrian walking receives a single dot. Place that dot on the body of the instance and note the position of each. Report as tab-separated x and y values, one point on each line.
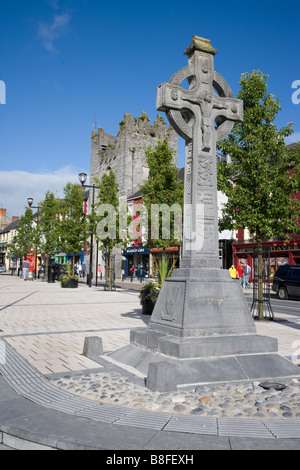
76	266
247	272
232	272
99	271
25	266
79	270
240	273
83	269
132	271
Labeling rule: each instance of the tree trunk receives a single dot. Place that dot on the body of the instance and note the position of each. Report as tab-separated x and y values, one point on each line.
260	280
110	270
46	268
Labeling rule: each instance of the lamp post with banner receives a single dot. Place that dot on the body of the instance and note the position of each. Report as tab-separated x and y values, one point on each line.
82	179
30	202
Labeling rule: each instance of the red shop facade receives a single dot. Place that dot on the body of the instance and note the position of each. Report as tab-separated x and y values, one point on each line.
281	252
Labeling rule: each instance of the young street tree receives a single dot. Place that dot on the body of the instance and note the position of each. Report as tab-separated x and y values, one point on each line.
49	226
73	223
163	198
25	239
263	178
106	218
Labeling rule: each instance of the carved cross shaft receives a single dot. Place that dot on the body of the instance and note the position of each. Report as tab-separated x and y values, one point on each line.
202	117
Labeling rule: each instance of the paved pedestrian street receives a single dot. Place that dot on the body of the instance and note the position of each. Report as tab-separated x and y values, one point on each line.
44	328
47	324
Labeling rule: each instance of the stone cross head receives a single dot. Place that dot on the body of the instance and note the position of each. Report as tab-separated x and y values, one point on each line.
202	114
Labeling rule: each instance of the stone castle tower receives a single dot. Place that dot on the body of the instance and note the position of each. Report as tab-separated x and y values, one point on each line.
125	153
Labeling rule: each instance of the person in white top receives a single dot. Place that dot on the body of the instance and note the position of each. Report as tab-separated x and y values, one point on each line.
247	272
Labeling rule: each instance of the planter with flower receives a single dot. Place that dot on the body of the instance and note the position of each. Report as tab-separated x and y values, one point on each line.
68	280
148	295
150	291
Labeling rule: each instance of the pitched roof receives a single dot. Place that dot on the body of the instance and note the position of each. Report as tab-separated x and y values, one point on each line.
135	195
12	226
290	146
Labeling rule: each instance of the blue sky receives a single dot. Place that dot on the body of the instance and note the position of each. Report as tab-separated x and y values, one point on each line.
69	63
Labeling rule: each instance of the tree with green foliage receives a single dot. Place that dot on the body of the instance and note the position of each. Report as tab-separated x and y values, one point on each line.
111	231
263	176
26	238
73	222
163	198
49	224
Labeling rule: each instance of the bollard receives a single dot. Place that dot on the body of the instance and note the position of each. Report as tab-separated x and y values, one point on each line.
161	377
92	346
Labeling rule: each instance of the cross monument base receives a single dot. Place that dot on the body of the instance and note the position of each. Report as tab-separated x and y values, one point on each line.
205	338
201	329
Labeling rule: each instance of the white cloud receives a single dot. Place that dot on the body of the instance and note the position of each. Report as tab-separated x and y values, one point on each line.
17	186
293	138
48	33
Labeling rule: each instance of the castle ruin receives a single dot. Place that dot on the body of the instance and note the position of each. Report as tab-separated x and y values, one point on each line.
125	155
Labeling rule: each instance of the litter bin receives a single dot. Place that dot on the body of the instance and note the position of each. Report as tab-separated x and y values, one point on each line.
51	274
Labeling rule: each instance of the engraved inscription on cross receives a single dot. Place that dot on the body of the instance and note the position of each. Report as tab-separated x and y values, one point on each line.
202	114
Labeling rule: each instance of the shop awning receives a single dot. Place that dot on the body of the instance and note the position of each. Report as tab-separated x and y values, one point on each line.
139	250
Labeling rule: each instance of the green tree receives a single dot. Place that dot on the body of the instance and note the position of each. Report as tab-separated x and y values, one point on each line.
263	176
25	239
111	230
163	198
49	224
73	223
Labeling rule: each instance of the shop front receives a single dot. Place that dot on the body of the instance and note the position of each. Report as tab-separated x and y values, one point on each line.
137	262
279	252
31	257
60	258
79	257
173	254
3	248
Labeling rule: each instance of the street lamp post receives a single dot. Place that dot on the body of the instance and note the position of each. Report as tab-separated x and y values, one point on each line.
30	202
82	179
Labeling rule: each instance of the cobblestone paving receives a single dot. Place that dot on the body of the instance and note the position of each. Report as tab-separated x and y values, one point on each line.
239	400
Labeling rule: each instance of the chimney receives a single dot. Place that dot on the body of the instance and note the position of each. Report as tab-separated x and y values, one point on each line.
15	218
2	212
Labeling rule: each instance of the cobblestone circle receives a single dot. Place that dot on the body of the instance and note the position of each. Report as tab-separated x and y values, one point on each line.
239	400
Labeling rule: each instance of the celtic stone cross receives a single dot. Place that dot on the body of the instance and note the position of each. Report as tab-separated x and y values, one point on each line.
202	116
201	330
